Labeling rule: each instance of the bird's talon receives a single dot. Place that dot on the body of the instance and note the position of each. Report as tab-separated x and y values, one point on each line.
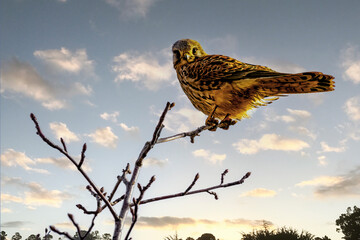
226	122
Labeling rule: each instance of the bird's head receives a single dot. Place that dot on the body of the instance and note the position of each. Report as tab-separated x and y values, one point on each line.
186	51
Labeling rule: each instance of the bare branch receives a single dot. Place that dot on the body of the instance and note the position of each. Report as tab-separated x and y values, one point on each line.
66	234
128	205
191	134
197	191
51	144
82	155
135	204
75	224
192	184
63	143
119	180
138	164
214	194
89	188
223	175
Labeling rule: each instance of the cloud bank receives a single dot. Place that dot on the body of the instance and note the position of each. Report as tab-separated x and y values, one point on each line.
269	142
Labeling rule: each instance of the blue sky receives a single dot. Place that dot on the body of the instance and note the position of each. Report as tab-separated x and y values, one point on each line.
101	72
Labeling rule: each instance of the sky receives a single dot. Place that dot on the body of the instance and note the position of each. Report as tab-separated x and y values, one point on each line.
100	72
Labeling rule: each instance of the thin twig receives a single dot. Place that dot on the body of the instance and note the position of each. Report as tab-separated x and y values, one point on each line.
197	191
223	175
135	173
119	180
66	234
51	144
75	224
192	184
214	194
191	134
82	155
136	202
63	143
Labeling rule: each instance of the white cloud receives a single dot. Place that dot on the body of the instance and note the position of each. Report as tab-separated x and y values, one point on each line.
61	131
38	196
145	69
304	131
259	192
105	137
269	142
21	77
110	116
34	194
326	148
64	60
183	120
67	225
322	160
175	222
5	210
10	198
155	162
12	158
294	115
352	108
209	156
299	113
351	63
345	185
132	130
80	89
64	162
132	8
250	223
321	181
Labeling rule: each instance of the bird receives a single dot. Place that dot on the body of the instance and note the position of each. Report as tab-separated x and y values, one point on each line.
225	88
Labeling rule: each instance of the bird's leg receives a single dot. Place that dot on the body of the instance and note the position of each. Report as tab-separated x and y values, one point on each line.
226	122
211	121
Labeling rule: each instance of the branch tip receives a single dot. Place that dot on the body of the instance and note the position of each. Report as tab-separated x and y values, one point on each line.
197	176
63	143
32	116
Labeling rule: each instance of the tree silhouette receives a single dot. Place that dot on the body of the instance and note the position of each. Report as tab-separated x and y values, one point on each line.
349	224
33	237
324	238
3	235
207	236
279	234
16	236
106	236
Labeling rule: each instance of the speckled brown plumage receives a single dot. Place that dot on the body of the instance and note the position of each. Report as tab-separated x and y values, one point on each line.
225	88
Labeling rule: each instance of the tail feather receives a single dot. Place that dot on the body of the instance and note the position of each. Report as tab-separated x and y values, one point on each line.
307	82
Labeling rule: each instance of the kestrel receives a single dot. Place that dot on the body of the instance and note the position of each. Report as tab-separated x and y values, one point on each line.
224	88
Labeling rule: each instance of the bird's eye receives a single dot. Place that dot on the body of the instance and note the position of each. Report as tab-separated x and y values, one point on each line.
176	54
194	50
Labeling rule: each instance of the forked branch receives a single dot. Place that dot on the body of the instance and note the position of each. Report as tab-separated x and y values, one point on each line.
130	203
207	190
